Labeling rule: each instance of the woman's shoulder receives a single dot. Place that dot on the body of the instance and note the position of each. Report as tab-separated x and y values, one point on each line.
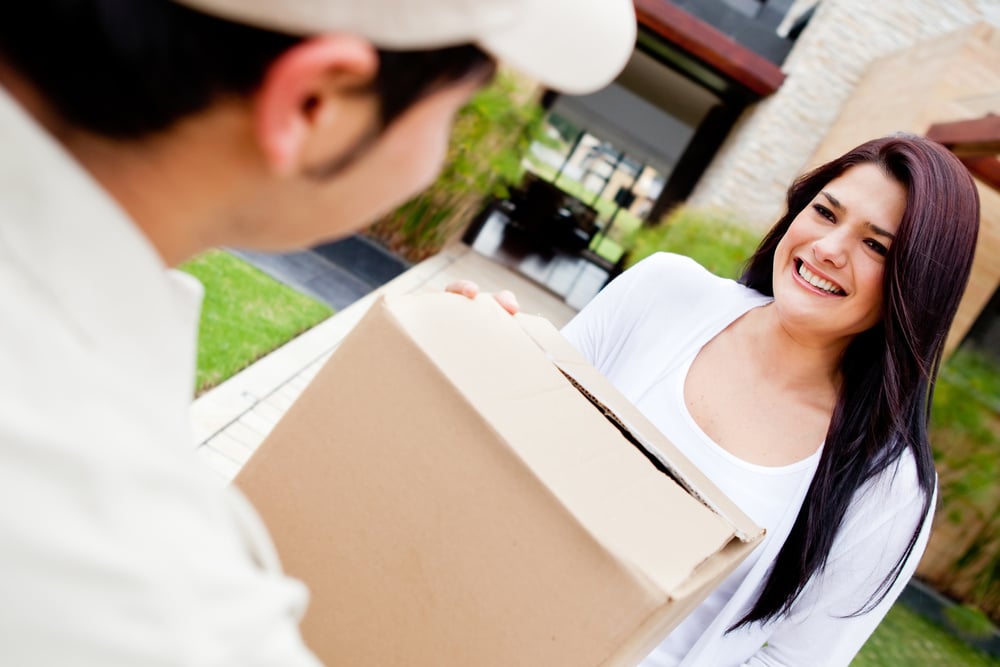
663	293
672	264
679	277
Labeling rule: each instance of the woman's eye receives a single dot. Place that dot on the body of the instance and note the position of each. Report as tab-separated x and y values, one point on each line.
825	212
876	246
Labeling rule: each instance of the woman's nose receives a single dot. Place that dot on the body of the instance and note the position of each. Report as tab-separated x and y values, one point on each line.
831	249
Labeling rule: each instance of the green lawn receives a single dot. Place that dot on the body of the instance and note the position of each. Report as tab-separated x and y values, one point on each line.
905	638
246	314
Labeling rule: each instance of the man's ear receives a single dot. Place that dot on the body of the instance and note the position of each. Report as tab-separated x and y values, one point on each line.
310	101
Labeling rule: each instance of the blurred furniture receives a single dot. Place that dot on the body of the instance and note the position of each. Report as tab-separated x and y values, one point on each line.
545	217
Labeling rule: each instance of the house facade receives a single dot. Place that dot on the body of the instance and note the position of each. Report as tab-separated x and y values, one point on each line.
776	138
726	102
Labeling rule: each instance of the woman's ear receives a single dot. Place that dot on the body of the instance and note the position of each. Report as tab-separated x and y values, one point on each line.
315	98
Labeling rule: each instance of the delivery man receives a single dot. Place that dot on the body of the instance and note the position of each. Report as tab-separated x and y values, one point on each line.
134	134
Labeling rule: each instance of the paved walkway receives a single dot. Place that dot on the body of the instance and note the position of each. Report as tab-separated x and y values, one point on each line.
337	273
232	419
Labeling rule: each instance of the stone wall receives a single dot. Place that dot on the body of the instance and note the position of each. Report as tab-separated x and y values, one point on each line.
774	140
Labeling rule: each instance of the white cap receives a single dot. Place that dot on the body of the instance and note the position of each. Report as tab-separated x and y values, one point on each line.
574	46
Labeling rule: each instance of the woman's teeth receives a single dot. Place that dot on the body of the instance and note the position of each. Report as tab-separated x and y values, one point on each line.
816	281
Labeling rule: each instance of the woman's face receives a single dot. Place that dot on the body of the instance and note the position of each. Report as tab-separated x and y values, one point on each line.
828	267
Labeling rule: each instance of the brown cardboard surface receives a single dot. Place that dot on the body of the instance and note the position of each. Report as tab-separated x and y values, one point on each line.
451	498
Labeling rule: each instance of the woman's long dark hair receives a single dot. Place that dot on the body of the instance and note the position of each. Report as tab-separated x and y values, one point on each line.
888	371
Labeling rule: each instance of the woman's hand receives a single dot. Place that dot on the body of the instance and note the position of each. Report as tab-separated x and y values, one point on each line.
470	289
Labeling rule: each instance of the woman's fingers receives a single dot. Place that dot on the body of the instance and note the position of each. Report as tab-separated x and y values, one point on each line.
469	289
507	299
463	287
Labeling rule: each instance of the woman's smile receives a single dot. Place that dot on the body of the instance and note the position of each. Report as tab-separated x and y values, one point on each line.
814	279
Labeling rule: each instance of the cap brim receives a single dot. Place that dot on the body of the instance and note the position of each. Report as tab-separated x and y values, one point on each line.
573	46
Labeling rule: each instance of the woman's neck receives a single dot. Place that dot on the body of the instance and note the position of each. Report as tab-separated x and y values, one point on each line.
791	359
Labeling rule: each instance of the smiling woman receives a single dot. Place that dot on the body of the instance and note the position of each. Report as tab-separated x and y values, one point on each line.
829	347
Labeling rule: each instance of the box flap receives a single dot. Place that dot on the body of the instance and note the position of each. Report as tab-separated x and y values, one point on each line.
640	430
615	492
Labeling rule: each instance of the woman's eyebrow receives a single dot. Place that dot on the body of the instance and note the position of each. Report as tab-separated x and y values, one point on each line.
833	200
881	232
875	228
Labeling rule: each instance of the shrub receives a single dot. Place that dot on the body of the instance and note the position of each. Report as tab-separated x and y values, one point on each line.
965	433
716	241
491	134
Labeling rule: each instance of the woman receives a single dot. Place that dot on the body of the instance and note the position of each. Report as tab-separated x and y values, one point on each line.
803	392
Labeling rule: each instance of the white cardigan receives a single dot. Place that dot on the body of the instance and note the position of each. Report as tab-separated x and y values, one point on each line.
643	331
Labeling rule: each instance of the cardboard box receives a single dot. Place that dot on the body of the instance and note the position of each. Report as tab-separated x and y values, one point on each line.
452	498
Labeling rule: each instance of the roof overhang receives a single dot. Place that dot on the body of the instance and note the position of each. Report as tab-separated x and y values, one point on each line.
709	46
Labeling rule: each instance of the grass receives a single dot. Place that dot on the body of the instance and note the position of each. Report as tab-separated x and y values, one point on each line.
905	638
246	314
715	241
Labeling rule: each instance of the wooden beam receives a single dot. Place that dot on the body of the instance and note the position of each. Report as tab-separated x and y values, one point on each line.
985	168
976	142
980	136
711	46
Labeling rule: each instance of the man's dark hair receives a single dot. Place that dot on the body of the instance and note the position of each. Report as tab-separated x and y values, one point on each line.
129	68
